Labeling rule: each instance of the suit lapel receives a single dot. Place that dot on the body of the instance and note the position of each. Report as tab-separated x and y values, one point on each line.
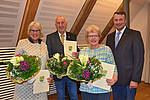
122	39
68	36
113	40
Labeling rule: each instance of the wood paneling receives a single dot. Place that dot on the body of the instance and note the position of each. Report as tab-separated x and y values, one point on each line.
83	15
29	15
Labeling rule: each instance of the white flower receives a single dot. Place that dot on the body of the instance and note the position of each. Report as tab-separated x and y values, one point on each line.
57	56
21	58
83	59
15	60
65	58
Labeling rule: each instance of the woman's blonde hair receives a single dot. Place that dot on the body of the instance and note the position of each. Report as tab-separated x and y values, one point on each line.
38	25
90	29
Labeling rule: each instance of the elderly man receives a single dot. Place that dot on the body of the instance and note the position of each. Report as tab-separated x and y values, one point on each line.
55	45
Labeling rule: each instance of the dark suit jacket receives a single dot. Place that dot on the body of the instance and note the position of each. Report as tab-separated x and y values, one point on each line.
129	56
55	45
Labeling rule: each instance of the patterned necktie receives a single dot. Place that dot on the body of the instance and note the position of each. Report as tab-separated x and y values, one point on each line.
62	38
117	39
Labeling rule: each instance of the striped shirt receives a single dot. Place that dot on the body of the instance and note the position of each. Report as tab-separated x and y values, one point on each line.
104	54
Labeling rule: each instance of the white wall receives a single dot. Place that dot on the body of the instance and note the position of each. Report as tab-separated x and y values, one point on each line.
140	22
11	14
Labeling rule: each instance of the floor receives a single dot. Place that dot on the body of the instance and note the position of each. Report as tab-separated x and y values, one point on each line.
143	93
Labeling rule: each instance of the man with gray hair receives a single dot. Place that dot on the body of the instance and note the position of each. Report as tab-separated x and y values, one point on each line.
54	43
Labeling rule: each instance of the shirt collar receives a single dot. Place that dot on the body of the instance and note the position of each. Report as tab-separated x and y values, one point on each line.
121	30
60	34
30	39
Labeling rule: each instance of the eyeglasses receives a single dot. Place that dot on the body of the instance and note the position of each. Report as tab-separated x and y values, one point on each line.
34	30
93	36
58	23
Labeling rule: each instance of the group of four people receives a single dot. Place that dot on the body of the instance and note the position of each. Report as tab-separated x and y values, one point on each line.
127	55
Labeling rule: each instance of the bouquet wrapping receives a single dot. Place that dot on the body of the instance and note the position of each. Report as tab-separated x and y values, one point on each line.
85	69
58	65
22	68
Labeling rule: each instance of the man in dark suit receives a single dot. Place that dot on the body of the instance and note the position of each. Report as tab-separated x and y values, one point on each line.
129	57
55	45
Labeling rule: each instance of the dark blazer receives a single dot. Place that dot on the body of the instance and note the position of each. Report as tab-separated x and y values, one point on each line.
54	43
129	56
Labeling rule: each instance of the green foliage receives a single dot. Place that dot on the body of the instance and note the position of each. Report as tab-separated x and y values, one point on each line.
91	72
58	66
25	70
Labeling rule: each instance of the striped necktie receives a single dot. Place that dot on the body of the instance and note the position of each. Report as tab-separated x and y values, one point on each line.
117	39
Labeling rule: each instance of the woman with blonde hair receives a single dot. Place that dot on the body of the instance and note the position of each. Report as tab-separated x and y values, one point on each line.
33	45
104	54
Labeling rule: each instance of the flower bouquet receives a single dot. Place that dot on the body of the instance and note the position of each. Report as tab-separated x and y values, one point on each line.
58	65
21	68
85	69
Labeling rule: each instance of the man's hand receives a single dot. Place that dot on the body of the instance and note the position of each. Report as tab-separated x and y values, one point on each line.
133	84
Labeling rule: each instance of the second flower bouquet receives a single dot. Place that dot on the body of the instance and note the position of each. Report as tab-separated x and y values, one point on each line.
85	69
58	64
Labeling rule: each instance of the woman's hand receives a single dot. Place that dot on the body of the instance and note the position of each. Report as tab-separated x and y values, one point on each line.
112	81
89	84
75	54
60	77
31	81
50	80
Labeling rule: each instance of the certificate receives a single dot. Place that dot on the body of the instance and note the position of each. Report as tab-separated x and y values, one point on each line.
101	83
41	84
69	47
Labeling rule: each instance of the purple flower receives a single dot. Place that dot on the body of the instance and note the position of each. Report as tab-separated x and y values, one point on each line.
23	69
29	66
21	62
25	62
78	76
83	76
20	67
87	76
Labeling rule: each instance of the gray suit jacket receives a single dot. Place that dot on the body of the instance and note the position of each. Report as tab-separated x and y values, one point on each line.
129	56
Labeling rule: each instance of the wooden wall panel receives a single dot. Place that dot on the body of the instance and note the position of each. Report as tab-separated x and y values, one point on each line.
29	15
83	15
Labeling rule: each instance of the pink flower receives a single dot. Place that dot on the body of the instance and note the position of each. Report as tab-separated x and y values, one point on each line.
18	55
20	67
23	69
88	61
83	76
65	63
